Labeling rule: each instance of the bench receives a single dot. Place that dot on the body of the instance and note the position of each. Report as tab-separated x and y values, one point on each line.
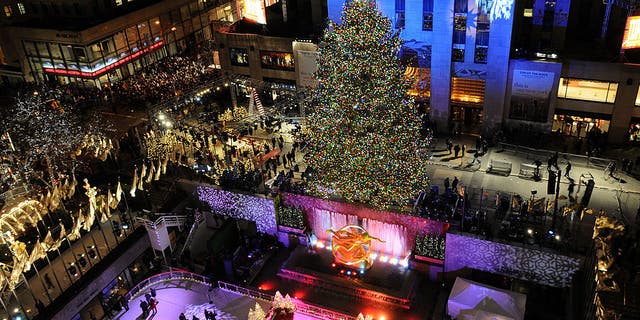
528	170
500	167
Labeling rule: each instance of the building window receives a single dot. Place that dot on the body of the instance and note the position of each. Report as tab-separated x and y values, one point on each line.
239	57
7	11
482	38
549	14
638	98
459	36
588	90
399	14
460	6
118	2
457	54
21	8
459	30
277	60
427	15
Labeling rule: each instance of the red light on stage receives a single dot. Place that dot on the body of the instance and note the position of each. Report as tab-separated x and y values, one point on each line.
267	286
299	294
333	265
342	271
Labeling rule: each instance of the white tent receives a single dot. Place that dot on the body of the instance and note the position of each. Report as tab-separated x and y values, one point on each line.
474	301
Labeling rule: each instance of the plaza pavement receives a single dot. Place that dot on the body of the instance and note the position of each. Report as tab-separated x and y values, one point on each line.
609	194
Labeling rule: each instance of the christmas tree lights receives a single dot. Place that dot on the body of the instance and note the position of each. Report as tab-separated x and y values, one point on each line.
48	136
364	140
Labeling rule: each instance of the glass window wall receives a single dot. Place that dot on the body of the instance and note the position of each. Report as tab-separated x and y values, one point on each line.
578	126
124	52
589	90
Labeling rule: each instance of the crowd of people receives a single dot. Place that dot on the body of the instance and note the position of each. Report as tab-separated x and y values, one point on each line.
163	80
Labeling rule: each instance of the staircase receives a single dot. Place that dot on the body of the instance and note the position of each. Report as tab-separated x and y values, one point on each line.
199	218
161	223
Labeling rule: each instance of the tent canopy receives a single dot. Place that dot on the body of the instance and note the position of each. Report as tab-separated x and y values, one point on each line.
475	301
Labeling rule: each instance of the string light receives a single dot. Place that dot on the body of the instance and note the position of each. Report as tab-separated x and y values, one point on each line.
364	134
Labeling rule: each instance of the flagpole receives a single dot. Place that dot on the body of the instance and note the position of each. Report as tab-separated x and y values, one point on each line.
13	291
44	286
79	268
29	287
64	264
51	267
95	244
103	236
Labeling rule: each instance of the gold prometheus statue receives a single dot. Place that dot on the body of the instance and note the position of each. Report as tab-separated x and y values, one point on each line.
351	246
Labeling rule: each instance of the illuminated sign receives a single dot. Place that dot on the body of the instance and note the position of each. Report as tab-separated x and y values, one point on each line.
254	10
631	38
112	63
497	9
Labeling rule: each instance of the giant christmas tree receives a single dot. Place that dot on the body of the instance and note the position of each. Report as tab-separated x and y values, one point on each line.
363	134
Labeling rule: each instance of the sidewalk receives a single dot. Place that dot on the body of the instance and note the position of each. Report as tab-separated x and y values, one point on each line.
441	157
609	194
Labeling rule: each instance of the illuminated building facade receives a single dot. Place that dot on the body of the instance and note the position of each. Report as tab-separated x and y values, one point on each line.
94	45
457	52
479	65
275	57
570	72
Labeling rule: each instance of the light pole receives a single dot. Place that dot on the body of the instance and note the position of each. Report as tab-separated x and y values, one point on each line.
555	202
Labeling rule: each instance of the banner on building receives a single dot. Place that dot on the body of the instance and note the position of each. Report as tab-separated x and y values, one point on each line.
307	66
530	95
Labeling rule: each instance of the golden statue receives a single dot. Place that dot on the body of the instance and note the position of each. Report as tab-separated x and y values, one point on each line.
351	246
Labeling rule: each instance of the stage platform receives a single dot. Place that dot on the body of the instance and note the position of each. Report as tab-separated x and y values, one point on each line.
383	282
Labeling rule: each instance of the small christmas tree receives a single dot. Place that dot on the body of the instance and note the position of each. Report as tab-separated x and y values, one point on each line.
256	313
361	317
240	113
282	308
226	116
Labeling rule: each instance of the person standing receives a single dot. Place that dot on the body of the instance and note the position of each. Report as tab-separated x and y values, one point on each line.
567	170
454	184
153	292
456	150
153	306
476	155
446	185
571	189
145	308
182	317
47	281
124	303
449	145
